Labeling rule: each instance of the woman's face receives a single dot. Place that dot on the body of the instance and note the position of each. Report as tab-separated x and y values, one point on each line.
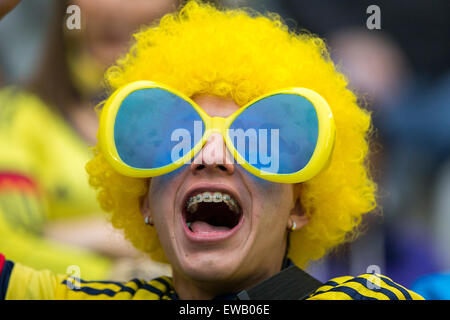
228	245
107	25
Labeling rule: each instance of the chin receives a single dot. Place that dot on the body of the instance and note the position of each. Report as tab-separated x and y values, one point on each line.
211	267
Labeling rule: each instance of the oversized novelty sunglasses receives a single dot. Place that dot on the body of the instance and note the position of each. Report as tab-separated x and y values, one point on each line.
148	129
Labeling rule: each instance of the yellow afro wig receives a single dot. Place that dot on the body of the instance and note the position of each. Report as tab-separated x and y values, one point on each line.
240	54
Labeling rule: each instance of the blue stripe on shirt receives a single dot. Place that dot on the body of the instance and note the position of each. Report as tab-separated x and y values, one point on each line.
5	275
123	288
394	285
352	293
364	282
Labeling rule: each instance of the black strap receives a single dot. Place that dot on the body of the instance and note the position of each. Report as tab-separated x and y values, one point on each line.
291	283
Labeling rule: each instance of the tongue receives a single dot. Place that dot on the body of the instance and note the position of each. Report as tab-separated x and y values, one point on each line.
204	227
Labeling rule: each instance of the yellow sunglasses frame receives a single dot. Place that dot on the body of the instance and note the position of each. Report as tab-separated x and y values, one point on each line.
319	160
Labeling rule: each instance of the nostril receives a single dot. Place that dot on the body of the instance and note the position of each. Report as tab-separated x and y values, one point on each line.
200	167
222	167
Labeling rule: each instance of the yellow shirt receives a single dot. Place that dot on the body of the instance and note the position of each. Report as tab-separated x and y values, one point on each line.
42	178
39	143
23	283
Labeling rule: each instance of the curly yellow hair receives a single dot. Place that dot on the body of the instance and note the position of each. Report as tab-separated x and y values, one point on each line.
241	54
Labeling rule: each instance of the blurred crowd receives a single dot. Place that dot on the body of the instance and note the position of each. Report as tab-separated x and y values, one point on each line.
52	75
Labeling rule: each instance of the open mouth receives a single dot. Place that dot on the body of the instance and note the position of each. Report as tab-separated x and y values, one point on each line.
211	212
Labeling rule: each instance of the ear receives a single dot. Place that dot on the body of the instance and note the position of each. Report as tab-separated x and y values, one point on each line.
298	214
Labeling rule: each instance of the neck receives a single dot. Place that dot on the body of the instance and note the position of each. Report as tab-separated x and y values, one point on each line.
188	289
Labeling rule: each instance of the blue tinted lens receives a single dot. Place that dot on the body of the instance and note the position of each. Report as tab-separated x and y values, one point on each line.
154	128
277	134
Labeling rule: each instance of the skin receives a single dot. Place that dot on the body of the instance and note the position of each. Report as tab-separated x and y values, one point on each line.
253	253
109	24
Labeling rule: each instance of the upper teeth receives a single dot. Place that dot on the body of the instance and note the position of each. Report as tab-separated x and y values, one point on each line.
193	201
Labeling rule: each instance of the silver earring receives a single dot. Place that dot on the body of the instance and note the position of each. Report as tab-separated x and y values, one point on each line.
148	221
293	225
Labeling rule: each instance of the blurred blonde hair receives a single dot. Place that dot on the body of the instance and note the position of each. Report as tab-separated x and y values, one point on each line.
240	54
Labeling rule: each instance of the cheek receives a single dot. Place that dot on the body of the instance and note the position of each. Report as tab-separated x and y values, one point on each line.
168	179
271	200
162	191
260	184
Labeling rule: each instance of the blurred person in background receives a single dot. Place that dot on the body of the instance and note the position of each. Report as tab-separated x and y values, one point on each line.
49	217
436	286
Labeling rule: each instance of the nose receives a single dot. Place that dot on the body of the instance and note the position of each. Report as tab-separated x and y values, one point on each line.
213	158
